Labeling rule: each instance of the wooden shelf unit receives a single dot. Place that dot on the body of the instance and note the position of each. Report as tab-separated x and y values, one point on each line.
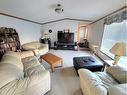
9	40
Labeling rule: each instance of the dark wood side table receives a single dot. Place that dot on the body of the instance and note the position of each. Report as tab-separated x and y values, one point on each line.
85	44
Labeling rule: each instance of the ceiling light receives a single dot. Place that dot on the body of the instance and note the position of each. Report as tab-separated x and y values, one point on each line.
59	9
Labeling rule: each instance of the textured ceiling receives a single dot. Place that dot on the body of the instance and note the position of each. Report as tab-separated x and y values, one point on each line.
43	10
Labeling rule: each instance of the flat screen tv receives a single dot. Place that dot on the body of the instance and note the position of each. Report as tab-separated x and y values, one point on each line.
65	37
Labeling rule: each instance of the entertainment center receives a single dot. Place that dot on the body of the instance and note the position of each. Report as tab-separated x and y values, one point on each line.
65	41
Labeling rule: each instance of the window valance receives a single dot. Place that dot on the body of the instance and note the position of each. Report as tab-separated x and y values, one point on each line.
117	18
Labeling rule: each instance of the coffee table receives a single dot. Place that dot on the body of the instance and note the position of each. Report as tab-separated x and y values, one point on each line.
53	60
87	62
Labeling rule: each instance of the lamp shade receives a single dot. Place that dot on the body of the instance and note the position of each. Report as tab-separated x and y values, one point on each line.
119	49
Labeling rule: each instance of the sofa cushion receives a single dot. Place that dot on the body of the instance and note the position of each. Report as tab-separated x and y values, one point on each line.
8	73
91	83
25	54
106	79
120	89
32	65
30	62
31	45
37	84
12	59
14	54
118	73
34	70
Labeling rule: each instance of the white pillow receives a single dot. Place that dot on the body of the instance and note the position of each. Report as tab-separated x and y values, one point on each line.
118	73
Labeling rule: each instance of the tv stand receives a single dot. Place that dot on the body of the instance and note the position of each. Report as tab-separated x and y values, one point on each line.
65	45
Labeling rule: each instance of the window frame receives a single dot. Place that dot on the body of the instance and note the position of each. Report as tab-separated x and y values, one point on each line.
112	58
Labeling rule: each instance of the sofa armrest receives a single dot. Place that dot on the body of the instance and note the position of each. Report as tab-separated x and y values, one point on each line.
90	83
37	84
39	81
25	54
44	45
43	49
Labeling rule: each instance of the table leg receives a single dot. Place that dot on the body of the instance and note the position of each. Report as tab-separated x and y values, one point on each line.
62	63
53	68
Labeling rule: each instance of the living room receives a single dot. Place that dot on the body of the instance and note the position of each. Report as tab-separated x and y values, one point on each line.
45	45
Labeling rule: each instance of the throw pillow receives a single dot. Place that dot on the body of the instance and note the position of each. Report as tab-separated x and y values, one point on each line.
118	73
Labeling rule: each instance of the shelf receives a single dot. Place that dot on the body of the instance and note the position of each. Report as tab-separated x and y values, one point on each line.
65	46
9	40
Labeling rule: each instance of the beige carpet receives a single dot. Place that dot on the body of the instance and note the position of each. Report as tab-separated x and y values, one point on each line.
65	81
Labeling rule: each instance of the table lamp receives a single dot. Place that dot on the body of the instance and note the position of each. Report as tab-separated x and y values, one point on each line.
119	49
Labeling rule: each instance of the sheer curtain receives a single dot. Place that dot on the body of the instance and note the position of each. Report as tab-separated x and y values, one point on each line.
115	30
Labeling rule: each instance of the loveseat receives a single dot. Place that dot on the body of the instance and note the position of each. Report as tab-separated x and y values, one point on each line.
37	48
22	74
111	82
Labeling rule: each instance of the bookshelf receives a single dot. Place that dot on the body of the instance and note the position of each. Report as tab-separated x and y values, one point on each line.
9	40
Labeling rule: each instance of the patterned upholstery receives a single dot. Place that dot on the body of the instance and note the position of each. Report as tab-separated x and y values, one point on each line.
9	40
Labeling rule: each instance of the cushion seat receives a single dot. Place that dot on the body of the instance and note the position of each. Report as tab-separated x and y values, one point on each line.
37	47
111	82
23	76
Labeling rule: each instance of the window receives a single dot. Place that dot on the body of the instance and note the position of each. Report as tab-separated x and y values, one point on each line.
113	33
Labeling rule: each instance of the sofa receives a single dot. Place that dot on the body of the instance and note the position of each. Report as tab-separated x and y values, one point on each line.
111	82
37	48
22	74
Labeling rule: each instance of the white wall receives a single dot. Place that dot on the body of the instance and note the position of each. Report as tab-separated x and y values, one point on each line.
95	34
27	31
60	26
32	32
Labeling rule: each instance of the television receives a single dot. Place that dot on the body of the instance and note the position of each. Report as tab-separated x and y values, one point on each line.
64	37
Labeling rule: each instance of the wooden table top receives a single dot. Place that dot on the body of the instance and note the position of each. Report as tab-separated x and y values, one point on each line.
51	58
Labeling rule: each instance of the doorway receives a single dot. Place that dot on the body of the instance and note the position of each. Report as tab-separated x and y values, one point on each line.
81	34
